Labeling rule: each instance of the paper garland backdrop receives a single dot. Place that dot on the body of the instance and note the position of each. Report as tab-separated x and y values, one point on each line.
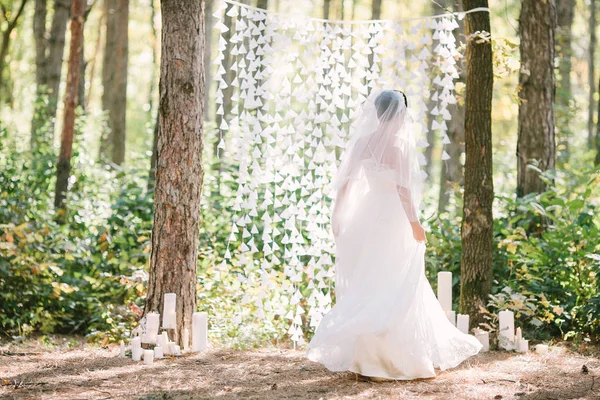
287	90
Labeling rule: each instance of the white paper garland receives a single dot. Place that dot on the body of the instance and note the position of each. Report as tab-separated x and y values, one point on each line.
296	86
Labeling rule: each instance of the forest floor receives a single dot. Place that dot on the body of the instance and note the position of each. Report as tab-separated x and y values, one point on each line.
75	370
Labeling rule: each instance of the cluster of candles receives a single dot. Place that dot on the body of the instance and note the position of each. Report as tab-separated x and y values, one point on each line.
508	337
162	345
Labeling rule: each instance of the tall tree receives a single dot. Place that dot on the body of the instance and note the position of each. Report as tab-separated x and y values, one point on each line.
535	143
564	51
50	70
591	72
208	28
114	80
326	8
179	169
376	9
63	168
597	139
11	18
477	224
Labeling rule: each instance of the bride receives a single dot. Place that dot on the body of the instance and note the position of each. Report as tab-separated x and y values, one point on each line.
386	323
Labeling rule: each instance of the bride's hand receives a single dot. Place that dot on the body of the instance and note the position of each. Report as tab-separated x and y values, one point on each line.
418	232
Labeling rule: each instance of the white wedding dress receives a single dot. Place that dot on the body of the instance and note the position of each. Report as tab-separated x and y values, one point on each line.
386	322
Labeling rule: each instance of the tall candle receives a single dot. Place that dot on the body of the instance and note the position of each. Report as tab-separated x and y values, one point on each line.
176	350
451	316
444	290
148	357
158	352
152	325
169	316
199	331
136	349
186	339
171	347
484	339
506	328
523	345
122	349
462	323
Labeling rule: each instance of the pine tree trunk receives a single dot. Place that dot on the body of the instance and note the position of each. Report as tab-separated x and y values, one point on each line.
597	138
535	143
66	146
376	9
39	36
477	225
56	49
565	15
208	28
326	8
114	79
591	71
154	157
179	168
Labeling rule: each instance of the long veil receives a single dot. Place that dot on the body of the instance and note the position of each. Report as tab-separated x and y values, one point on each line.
382	138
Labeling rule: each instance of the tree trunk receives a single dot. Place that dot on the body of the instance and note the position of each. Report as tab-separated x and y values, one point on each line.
536	107
179	169
11	25
326	8
39	36
477	224
263	4
597	139
564	50
376	10
56	49
591	70
66	145
154	157
114	80
208	28
451	171
153	70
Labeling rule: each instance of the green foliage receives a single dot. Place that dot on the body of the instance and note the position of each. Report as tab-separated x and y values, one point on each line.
551	244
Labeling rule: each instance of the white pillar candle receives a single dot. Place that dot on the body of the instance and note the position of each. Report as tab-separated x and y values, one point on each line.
541	349
148	357
444	290
176	350
169	316
462	323
152	325
163	341
136	349
171	347
451	316
484	339
199	331
122	350
186	339
523	346
506	329
158	352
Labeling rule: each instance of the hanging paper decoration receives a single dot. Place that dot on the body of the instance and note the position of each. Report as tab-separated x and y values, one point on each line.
287	91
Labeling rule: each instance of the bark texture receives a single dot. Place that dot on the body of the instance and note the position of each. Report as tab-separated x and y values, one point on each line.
114	80
179	167
536	143
63	169
564	51
477	224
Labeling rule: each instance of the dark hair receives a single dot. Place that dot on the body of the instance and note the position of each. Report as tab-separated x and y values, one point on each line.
388	102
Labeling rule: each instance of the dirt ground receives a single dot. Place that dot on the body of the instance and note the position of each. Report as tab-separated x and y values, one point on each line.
80	371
